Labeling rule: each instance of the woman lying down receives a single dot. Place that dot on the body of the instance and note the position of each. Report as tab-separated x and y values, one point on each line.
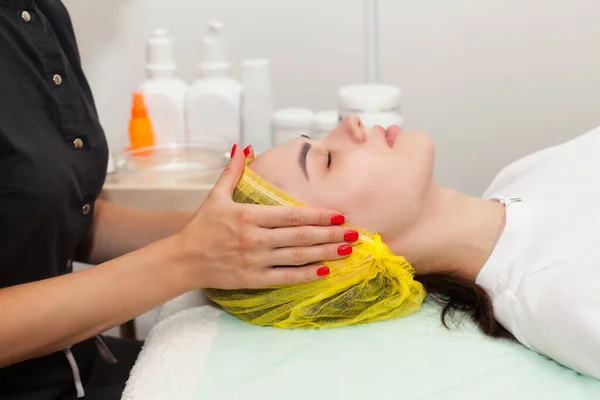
523	262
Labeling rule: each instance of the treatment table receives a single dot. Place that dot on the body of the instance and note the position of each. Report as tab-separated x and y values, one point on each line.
196	351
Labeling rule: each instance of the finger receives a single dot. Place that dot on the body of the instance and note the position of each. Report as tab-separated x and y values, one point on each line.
310	235
309	255
231	174
286	216
249	151
293	275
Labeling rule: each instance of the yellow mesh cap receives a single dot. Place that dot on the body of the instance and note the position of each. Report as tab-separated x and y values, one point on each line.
372	284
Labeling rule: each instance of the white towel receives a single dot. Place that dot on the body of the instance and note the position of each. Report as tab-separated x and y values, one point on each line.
174	352
192	299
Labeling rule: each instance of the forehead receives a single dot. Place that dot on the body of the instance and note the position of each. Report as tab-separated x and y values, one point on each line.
279	165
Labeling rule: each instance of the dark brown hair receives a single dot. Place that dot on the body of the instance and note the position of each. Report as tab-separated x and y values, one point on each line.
454	294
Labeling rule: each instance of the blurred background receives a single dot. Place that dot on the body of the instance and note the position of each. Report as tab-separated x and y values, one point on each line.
490	80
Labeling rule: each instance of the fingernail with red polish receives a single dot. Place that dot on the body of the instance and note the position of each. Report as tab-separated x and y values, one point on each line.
344	250
338	219
233	149
247	151
351	236
323	271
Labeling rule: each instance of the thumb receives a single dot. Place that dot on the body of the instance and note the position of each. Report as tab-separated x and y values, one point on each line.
232	172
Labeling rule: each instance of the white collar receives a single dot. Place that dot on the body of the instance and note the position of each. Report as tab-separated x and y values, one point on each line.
511	241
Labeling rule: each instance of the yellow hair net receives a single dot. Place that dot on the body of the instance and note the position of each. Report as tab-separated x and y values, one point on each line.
370	285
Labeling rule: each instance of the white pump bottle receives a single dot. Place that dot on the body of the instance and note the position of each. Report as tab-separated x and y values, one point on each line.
213	105
164	94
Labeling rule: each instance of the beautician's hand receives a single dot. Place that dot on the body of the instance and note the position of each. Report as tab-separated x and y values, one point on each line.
232	246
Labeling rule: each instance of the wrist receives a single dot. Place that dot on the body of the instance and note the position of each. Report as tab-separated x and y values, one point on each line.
182	218
180	259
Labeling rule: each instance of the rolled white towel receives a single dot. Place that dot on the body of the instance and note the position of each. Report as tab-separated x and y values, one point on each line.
173	356
187	300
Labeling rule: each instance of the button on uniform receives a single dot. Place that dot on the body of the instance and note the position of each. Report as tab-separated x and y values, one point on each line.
26	16
85	209
57	79
78	143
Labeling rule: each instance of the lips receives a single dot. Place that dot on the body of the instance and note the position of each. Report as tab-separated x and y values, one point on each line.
392	133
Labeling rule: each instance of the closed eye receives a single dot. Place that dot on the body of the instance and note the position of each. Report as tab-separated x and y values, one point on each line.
328	159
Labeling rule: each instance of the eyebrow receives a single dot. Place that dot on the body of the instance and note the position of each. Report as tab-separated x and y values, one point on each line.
302	157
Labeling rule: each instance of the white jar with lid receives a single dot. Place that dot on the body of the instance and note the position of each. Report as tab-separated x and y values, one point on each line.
383	119
290	123
375	104
325	122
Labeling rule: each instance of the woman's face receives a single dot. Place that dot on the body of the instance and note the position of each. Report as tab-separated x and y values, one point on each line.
379	183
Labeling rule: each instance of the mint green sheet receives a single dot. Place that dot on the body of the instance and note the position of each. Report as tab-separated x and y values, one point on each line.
410	358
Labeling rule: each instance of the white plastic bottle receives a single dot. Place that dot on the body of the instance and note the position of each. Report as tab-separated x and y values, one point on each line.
164	94
213	102
257	104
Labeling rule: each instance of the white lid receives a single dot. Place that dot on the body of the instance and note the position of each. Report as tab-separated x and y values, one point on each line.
326	121
256	75
159	54
293	118
383	119
368	98
214	58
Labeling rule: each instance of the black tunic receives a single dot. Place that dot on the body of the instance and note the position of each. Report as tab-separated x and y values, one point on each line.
53	159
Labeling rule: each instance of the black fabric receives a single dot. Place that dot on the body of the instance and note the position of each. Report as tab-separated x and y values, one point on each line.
45	181
102	381
108	381
48	182
21	4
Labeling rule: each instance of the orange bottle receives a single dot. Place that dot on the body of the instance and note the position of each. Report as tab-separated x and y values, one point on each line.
140	127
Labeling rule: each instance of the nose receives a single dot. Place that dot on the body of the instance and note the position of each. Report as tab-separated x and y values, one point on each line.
353	128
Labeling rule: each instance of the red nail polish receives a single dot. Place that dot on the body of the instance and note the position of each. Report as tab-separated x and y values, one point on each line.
323	271
233	149
247	151
344	250
351	236
338	220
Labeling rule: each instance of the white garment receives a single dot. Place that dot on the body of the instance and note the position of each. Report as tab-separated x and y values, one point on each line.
544	274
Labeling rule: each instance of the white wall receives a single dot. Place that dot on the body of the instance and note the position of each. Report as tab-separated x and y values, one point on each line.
490	80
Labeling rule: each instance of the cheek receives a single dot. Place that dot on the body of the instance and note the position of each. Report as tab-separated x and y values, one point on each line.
359	196
371	199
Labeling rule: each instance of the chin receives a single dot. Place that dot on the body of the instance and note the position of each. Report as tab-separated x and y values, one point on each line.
429	145
416	143
421	153
425	138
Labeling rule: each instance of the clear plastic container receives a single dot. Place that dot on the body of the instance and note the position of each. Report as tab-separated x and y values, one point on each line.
171	164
